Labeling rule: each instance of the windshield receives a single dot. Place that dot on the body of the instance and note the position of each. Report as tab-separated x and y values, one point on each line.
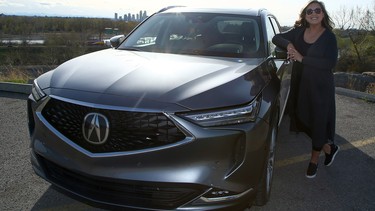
198	34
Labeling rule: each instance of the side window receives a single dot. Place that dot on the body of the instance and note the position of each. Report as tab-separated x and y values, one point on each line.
270	34
275	25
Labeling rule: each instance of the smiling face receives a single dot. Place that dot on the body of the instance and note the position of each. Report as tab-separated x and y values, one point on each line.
314	14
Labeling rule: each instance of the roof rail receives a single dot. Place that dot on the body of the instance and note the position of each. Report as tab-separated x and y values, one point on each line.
169	7
261	10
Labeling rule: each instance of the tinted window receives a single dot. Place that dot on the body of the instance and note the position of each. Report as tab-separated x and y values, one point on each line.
198	33
270	34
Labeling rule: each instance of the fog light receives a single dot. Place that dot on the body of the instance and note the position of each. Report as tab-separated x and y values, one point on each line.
217	195
220	193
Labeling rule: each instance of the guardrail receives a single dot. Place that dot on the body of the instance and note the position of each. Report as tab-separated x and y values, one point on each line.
15	87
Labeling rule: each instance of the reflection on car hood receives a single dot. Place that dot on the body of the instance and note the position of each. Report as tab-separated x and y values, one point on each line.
194	82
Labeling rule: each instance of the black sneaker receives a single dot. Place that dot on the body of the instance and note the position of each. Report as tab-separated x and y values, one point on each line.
330	157
311	170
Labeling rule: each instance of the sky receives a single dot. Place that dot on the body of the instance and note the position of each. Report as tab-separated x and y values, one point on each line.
285	10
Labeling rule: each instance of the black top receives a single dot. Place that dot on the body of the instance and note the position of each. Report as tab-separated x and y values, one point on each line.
315	90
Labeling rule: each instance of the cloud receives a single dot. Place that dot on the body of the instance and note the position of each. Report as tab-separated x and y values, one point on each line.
11	4
45	4
287	11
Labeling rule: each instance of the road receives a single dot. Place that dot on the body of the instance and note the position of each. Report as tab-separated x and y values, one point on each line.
349	184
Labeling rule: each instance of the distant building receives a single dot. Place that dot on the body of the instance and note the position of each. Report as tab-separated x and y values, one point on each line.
144	15
132	17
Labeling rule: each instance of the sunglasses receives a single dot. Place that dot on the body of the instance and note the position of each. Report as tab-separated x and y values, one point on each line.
316	10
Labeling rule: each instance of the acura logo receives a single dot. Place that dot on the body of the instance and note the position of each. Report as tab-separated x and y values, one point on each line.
95	128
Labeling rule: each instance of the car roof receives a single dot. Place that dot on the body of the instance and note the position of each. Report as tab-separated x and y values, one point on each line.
238	11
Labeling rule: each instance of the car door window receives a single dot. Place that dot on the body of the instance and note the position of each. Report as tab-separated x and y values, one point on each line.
270	34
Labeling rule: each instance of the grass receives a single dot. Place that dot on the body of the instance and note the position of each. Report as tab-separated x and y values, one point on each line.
14	75
17	74
21	75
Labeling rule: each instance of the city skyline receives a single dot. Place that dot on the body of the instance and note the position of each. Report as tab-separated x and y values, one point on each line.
132	16
287	11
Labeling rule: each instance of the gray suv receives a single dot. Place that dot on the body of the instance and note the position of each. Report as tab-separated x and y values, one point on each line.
182	114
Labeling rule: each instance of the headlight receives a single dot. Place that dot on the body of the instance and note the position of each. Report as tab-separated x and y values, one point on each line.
37	92
239	115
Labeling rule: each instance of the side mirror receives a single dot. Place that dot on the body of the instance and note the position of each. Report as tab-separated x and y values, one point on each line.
281	53
116	40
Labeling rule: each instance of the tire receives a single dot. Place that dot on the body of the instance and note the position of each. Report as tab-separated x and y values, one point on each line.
265	184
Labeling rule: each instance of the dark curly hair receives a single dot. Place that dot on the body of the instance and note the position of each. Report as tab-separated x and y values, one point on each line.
327	21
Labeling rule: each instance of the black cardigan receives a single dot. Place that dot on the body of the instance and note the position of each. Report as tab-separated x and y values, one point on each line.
315	95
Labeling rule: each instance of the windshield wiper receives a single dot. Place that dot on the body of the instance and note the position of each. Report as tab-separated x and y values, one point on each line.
130	49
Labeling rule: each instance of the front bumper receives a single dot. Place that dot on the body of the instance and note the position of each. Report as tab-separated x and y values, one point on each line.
213	169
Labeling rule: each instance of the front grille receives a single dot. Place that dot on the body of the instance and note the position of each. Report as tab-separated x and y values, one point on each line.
128	130
123	193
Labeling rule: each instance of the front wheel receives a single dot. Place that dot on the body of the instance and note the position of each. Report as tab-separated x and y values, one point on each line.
264	187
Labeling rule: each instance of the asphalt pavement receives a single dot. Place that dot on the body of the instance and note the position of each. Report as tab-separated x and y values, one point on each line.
349	184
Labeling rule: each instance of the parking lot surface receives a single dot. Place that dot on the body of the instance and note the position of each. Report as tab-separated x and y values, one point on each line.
349	184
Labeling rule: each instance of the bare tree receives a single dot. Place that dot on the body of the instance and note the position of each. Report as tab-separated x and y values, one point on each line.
368	19
356	23
343	18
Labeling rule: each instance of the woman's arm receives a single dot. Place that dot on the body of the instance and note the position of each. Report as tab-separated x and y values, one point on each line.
282	40
285	40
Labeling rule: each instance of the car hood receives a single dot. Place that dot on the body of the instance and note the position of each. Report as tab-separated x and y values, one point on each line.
193	82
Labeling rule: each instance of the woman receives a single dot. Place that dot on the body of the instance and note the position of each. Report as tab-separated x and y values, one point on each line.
312	46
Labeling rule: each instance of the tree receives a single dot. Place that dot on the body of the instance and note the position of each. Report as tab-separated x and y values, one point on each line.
348	22
356	24
368	19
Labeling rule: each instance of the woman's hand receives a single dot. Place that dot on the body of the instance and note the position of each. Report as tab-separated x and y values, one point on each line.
293	54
